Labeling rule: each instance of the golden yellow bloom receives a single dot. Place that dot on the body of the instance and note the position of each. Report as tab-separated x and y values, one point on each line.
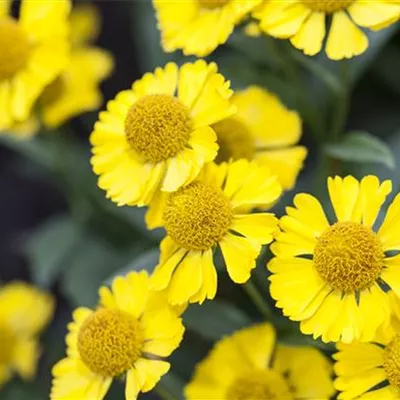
199	26
77	90
265	130
304	23
24	313
130	334
367	371
330	276
33	51
213	211
251	365
157	135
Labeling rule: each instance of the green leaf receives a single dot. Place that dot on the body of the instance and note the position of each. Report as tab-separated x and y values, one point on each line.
48	248
215	319
360	147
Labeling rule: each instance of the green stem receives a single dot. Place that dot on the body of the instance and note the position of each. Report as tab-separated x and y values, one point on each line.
258	299
342	103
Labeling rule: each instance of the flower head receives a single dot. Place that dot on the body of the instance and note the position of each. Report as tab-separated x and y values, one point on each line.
251	365
304	23
158	135
199	26
264	130
76	90
129	335
24	312
33	51
331	276
369	370
213	211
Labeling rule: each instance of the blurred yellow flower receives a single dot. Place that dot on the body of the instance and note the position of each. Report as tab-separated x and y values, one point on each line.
265	130
130	334
24	313
157	135
330	276
199	26
33	52
304	23
251	365
367	371
213	211
77	90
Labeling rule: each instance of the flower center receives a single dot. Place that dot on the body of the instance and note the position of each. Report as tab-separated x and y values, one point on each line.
110	341
7	340
211	4
391	361
197	216
348	256
260	384
14	48
158	127
327	6
234	139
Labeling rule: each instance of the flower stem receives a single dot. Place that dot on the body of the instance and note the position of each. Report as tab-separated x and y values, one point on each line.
258	300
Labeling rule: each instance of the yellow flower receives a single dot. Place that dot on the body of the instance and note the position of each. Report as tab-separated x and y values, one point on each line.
367	371
77	90
213	211
330	276
24	313
199	26
265	130
304	23
157	135
251	365
33	52
129	335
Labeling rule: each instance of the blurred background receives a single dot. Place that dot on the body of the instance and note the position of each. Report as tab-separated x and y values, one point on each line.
60	233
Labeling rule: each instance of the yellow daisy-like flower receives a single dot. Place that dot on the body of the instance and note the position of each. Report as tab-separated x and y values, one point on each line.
33	52
304	23
157	135
77	90
129	335
369	371
213	211
334	277
251	365
199	26
24	313
265	130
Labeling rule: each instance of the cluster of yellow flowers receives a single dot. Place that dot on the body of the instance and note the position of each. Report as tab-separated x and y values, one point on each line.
49	70
209	164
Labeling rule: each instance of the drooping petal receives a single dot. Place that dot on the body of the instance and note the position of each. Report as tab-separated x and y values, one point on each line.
149	372
388	232
258	227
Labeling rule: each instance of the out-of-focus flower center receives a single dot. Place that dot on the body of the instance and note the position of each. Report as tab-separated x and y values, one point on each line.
7	340
14	48
234	139
158	127
348	256
391	361
259	384
197	216
328	6
211	4
110	341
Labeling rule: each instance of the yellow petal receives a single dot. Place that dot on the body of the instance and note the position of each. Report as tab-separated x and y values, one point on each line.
155	212
391	274
25	356
161	81
179	168
187	279
259	227
5	105
285	163
387	393
149	372
311	35
345	40
388	232
374	13
203	142
132	387
240	256
85	23
4	7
